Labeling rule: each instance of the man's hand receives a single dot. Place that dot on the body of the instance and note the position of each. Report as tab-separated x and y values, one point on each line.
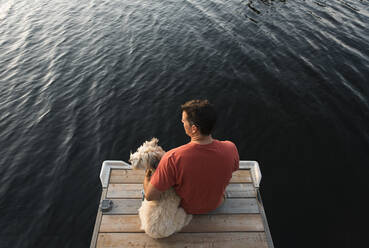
147	179
151	193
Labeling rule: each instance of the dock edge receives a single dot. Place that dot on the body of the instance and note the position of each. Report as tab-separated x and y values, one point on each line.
118	164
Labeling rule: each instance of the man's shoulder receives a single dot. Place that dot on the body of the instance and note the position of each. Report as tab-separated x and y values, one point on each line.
178	150
226	143
229	147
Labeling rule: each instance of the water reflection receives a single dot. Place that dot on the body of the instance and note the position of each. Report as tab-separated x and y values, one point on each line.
255	8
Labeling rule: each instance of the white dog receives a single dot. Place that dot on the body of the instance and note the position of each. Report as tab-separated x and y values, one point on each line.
164	217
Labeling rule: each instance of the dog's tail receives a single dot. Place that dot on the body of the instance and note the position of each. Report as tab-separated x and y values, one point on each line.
182	219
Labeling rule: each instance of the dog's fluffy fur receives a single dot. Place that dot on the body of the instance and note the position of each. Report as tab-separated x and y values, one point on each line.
164	217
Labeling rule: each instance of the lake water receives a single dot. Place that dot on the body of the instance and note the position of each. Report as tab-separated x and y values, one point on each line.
86	81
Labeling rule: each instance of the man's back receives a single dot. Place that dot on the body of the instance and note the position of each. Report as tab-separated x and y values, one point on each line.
198	173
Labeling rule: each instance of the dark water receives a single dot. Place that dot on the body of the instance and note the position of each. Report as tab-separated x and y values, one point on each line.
86	81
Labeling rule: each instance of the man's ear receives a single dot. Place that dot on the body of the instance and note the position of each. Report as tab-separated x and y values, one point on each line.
194	129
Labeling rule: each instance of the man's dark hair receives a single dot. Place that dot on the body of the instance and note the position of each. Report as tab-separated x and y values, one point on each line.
200	113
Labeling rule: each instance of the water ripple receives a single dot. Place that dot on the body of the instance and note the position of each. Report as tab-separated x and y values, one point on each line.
82	82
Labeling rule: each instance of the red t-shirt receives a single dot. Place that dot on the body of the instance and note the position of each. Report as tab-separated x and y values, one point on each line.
198	173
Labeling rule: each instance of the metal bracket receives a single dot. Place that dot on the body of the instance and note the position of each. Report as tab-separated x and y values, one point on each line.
254	168
106	205
107	166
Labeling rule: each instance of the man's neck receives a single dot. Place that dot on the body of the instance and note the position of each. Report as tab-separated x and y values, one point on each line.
201	139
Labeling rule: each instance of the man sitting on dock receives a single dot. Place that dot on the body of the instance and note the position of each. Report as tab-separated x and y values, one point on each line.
200	170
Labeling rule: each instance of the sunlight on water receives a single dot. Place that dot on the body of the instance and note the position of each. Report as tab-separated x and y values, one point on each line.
5	8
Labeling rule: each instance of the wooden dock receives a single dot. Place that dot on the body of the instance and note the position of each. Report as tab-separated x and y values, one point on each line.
239	222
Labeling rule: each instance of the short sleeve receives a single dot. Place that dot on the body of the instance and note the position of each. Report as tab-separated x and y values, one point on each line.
164	176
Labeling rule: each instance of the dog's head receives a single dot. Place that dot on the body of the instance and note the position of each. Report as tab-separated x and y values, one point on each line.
147	156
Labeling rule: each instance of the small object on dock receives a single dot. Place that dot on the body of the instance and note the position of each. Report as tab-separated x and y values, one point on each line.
106	205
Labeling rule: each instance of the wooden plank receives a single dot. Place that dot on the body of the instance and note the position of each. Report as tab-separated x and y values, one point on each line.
126	176
238	206
241	176
199	223
137	176
97	221
180	240
125	191
125	206
225	223
239	190
230	206
120	223
132	191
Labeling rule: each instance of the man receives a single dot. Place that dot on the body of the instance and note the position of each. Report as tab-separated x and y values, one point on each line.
200	170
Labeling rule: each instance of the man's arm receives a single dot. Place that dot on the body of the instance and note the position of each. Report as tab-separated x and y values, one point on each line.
151	193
